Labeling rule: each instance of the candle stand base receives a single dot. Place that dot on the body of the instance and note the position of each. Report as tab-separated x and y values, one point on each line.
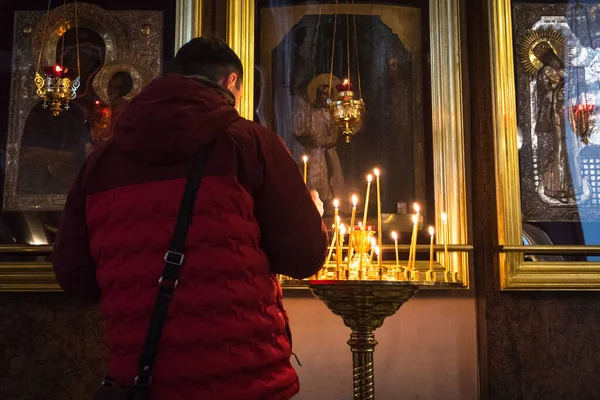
364	305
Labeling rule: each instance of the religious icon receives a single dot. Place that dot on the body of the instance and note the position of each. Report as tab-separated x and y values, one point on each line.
314	128
558	180
294	60
115	59
555	133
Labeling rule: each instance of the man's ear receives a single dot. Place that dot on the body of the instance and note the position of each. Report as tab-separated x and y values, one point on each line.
232	80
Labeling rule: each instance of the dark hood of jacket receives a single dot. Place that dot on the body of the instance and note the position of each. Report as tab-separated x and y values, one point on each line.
173	118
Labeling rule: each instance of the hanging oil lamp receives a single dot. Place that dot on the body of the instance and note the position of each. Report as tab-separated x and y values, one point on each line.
580	104
346	110
580	113
57	86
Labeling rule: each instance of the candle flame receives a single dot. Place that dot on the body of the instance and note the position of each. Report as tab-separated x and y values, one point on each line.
336	203
369	178
415	219
395	235
354	200
377	250
342	229
345	81
373	242
376	172
417	208
444	217
305	159
431	231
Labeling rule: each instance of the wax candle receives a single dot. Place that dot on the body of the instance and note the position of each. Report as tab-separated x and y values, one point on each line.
413	243
431	234
446	239
305	159
379	236
364	223
351	227
333	241
395	237
336	205
369	179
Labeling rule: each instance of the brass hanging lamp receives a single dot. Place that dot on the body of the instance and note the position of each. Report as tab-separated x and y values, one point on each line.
346	111
57	86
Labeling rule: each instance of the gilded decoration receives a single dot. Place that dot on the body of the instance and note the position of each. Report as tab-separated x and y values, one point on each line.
545	142
120	52
281	93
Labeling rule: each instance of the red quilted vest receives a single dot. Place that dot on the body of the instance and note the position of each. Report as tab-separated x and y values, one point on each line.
227	335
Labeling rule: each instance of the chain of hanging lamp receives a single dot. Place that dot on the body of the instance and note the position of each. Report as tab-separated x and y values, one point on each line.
346	111
57	86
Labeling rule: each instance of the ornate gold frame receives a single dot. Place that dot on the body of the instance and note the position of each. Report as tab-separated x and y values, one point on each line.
447	108
515	272
37	276
133	41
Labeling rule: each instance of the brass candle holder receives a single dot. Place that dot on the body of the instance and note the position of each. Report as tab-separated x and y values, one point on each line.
363	306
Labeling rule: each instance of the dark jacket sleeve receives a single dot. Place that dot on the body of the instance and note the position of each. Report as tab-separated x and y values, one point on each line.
74	267
293	234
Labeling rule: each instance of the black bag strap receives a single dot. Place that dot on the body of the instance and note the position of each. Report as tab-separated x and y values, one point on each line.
167	283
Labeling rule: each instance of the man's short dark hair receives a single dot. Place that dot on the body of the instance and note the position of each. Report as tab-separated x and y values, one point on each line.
208	57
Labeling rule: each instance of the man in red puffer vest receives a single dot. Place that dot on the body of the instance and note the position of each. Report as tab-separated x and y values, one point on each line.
227	335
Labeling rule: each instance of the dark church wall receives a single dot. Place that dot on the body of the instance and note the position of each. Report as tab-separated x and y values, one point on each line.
536	345
51	347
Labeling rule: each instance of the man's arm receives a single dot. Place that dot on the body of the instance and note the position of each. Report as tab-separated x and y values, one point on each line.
74	267
293	234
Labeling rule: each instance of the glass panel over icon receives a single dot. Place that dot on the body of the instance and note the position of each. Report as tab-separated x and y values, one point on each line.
308	54
557	49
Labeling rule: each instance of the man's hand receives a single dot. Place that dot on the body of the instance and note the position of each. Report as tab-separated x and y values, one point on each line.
318	202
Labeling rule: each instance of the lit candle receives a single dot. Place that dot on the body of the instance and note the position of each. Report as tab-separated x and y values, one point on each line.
445	233
336	204
305	159
431	234
379	238
364	223
333	241
369	179
342	229
395	237
354	202
413	242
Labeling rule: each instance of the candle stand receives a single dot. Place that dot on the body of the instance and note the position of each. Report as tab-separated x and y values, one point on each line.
364	305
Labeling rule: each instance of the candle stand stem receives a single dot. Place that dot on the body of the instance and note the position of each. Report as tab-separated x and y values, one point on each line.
362	344
363	305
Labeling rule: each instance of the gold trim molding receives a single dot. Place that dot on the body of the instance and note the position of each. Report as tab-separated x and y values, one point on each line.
240	37
188	21
515	272
447	108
